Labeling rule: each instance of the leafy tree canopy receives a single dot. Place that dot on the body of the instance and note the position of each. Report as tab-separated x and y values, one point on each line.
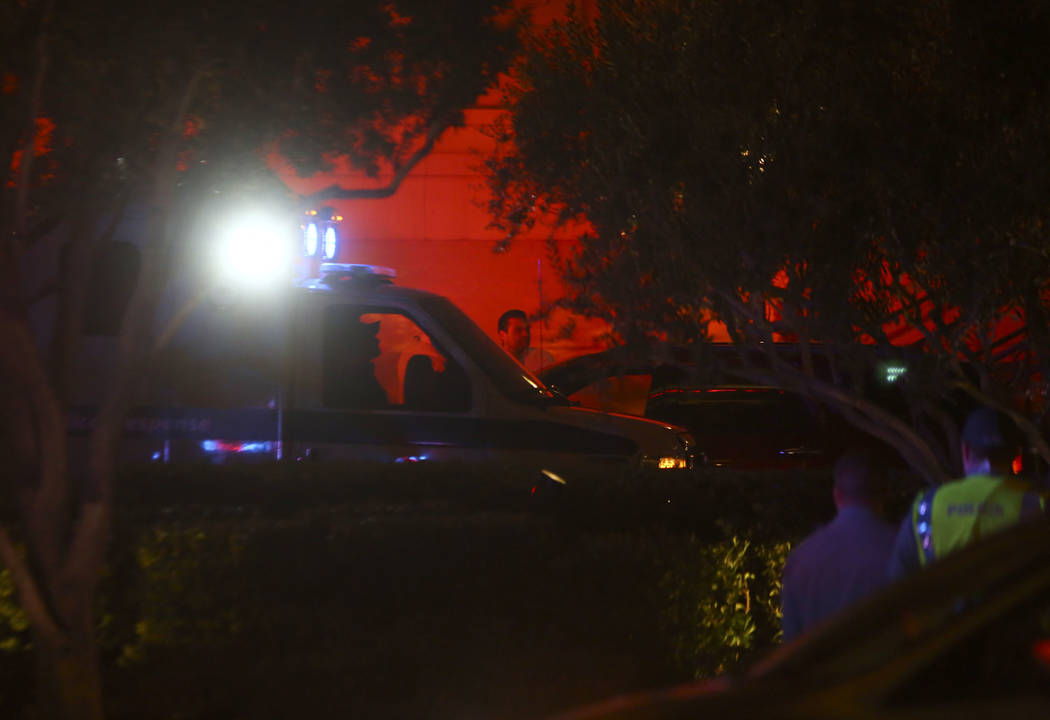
367	79
108	103
836	173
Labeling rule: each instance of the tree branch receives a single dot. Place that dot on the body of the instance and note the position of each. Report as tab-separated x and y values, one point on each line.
864	415
334	192
89	536
29	596
41	427
75	278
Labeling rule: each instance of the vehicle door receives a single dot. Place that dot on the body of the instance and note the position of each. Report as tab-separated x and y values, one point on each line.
370	382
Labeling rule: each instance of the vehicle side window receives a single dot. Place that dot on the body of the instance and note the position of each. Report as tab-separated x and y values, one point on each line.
620	393
379	358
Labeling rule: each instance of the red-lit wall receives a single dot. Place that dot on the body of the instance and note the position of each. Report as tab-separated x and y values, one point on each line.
433	231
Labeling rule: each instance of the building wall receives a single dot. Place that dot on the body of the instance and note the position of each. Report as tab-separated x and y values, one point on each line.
434	230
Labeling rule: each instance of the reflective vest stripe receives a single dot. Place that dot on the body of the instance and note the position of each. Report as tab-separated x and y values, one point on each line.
957	513
923	525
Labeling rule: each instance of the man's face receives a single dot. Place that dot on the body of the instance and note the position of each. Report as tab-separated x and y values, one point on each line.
515	338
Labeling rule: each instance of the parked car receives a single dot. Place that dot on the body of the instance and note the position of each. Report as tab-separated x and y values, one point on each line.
753	427
969	637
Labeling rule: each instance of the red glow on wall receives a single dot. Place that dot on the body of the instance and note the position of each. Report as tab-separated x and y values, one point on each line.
434	231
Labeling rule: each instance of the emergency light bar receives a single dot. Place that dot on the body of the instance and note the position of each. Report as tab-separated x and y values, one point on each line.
310	239
331	243
350	270
320	236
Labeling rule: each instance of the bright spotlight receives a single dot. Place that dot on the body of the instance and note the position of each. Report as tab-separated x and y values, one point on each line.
254	250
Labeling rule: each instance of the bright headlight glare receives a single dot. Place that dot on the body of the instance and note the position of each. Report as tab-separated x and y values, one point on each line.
254	251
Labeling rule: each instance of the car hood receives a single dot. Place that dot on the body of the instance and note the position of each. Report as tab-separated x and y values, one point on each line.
653	438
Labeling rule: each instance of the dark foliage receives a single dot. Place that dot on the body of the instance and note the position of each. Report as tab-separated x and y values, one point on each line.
140	119
826	173
432	591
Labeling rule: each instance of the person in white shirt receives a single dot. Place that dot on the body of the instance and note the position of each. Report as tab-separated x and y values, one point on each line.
514	336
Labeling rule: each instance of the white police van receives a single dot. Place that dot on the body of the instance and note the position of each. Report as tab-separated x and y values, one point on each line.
347	365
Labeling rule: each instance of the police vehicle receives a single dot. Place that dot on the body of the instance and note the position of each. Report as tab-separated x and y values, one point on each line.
344	364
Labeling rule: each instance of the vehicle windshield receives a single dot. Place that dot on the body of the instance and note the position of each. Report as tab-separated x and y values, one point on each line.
513	380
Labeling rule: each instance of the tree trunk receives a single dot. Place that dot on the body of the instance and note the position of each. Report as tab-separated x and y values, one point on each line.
66	526
69	684
56	579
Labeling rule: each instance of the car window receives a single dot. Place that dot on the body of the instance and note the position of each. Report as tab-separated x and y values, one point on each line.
380	358
506	374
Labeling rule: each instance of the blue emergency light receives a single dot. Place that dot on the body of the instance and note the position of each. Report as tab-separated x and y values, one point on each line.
320	234
310	240
331	243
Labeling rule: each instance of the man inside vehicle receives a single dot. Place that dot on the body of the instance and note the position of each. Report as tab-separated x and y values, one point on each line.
516	338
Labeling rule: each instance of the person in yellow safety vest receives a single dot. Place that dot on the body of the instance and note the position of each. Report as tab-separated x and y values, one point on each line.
989	499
